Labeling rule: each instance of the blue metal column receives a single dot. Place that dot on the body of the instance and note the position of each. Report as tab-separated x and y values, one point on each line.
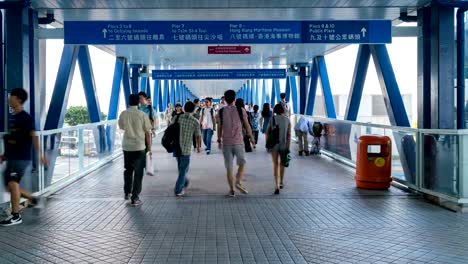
312	88
277	90
442	67
148	87
59	100
94	111
327	93
424	68
357	84
157	95
293	87
273	94
166	97
20	53
266	92
126	84
135	70
264	99
179	92
142	84
249	93
87	76
288	88
173	92
390	91
302	89
115	92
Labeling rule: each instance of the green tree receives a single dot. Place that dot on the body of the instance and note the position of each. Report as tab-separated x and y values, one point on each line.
77	115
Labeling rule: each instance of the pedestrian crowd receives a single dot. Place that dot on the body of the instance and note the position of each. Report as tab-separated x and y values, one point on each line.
189	125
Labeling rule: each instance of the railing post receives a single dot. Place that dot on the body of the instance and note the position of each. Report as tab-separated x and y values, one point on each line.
81	149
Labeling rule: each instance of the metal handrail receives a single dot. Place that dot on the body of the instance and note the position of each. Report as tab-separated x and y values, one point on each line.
66	129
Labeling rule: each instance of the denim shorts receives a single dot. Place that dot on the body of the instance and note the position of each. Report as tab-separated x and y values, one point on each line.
15	170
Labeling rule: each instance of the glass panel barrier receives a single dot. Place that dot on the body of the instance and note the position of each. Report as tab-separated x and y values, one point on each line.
72	153
440	163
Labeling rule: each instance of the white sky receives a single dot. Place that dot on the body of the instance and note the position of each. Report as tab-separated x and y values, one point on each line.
340	64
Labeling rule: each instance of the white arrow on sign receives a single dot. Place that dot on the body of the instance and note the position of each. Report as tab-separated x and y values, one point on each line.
104	31
363	31
247	49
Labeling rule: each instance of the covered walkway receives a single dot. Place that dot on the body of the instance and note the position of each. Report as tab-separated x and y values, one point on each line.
318	218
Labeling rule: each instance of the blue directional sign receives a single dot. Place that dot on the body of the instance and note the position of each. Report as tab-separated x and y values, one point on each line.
226	32
357	31
219	74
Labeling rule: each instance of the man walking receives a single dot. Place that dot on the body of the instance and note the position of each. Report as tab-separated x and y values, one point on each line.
231	120
18	144
285	105
189	128
207	121
136	141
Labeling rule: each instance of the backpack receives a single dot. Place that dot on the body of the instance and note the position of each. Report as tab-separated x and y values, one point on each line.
274	137
151	114
170	139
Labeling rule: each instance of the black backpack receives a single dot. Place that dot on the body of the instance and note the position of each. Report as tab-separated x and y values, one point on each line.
170	139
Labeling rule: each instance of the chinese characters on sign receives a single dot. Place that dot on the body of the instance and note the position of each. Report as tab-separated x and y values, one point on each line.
226	32
218	74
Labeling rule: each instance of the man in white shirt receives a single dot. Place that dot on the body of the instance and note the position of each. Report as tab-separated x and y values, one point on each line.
135	144
207	122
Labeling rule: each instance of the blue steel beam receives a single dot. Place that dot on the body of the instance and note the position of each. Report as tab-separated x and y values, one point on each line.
273	93
115	92
173	92
249	93
142	84
148	87
392	96
357	83
166	98
87	76
327	93
277	90
59	100
94	110
156	96
312	89
267	92
126	84
135	69
288	88
302	89
293	87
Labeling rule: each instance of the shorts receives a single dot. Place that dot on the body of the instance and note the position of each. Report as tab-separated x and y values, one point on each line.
15	170
231	151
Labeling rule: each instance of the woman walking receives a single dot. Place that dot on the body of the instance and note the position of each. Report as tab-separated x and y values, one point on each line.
278	138
168	113
265	118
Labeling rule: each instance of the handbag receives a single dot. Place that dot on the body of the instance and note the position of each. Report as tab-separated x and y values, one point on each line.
285	158
273	137
247	145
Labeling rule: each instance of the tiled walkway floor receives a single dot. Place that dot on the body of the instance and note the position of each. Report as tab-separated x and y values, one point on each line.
320	217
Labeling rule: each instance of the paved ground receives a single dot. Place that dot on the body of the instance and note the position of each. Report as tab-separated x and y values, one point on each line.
319	218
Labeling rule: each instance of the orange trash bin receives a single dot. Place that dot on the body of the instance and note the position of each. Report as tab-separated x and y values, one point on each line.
373	162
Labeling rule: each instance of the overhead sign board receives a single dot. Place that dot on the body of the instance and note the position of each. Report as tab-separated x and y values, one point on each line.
219	74
226	32
229	49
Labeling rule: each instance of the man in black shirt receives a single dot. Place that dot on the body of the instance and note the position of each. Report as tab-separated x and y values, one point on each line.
21	137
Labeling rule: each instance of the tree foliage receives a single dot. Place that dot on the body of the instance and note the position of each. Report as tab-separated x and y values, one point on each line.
77	115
